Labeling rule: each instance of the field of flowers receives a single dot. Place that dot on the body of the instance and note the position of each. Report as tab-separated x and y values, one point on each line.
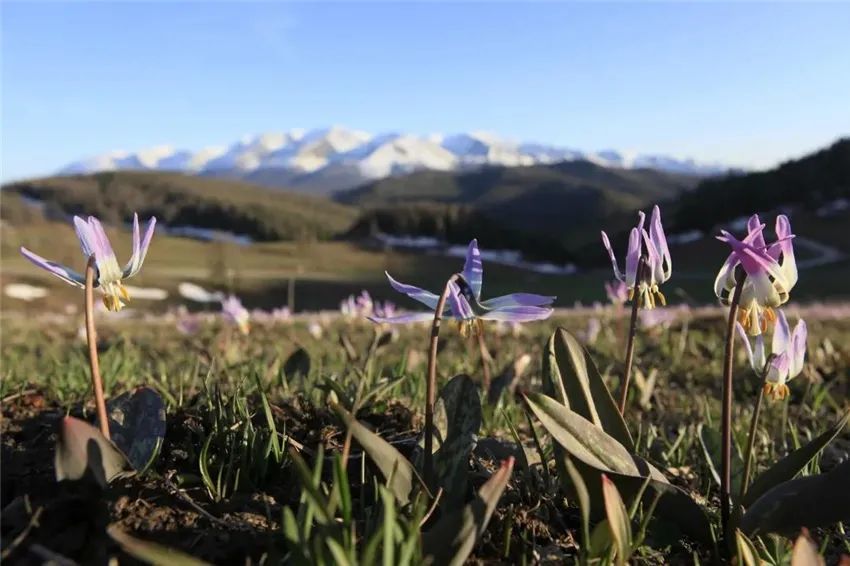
469	428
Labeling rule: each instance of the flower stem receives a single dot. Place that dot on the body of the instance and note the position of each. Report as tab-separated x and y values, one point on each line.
91	338
431	384
726	417
485	359
630	342
751	442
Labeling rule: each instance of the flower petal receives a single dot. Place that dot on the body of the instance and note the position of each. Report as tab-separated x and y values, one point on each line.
777	371
403	318
725	280
518	300
781	334
797	353
607	243
100	244
742	334
518	314
140	248
656	232
473	270
783	250
427	298
754	230
633	256
66	274
458	304
653	259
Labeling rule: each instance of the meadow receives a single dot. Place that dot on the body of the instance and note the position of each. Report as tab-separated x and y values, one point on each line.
251	466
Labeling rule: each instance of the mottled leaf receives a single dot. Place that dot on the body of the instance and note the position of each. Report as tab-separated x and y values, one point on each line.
810	501
455	535
793	463
81	450
137	425
150	552
571	377
395	468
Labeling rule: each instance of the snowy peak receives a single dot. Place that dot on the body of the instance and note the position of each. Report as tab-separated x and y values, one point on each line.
295	153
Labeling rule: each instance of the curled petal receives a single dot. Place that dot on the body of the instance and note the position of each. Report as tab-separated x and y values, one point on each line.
797	353
66	274
777	368
427	298
653	260
85	236
473	270
518	314
783	250
140	246
518	300
725	280
403	318
100	244
607	243
754	232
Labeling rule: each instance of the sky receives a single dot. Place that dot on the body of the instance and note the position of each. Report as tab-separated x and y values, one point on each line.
746	84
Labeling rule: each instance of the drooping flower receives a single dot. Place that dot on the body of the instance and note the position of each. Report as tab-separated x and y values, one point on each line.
771	273
109	276
617	291
464	302
236	314
787	357
657	257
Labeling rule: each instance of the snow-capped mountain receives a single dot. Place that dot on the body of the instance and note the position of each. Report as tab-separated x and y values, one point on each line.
338	158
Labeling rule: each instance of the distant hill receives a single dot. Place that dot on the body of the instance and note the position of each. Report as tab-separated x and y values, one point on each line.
565	202
810	181
181	200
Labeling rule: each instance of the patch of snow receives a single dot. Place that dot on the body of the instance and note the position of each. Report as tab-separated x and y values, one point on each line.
24	292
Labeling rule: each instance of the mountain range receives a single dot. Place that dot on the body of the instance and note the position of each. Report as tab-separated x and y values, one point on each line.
331	159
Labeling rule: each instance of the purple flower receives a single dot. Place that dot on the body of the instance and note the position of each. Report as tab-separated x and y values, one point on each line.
658	261
236	314
771	273
617	291
109	276
464	300
787	357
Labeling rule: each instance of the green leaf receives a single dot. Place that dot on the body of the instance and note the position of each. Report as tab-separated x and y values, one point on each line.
81	450
810	501
137	425
395	468
571	377
454	536
150	552
747	553
618	520
595	452
457	414
791	465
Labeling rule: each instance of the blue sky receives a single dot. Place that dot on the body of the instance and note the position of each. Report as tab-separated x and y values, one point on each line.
747	84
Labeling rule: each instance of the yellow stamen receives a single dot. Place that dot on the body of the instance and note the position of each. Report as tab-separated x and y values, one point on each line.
776	391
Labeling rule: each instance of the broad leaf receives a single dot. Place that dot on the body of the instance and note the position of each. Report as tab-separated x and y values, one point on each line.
571	377
810	501
792	464
137	425
594	452
454	536
395	468
82	449
150	552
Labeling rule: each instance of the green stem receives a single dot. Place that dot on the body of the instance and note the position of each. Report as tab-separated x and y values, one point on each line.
431	384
